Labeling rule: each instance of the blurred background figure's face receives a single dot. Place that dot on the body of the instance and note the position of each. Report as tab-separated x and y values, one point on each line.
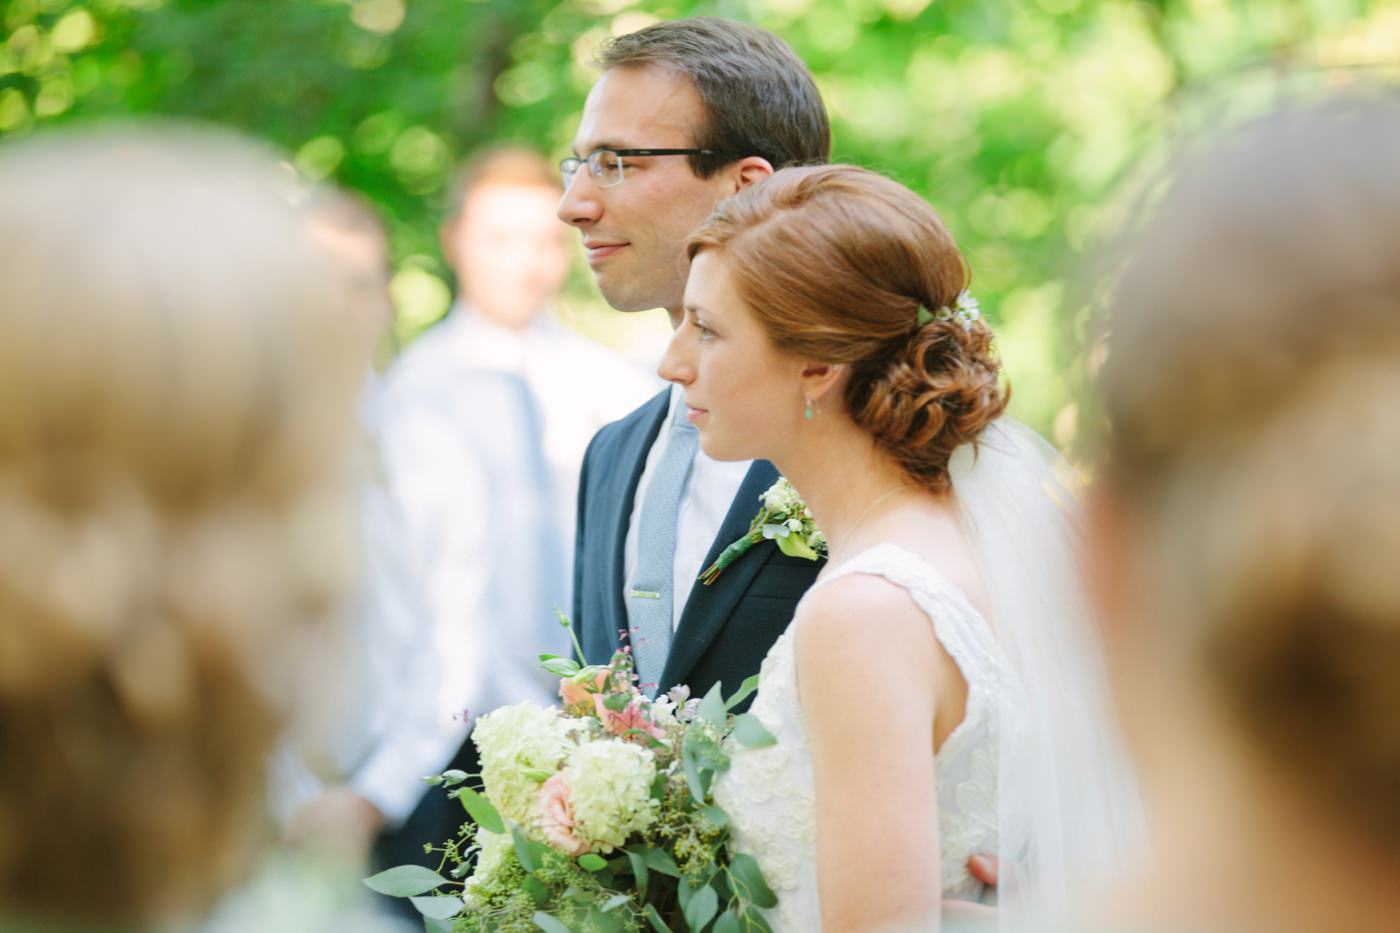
509	251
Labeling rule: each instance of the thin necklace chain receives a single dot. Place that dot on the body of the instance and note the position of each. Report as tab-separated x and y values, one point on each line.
846	538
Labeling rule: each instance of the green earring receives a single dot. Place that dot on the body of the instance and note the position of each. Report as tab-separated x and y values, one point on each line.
808	411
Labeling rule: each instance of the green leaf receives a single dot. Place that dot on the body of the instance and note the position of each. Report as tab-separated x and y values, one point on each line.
522	849
617	702
593	862
538	891
434	925
560	667
614	902
703	906
405	881
639	869
797	546
657	923
750	732
749	685
727	923
549	924
690	764
712	708
480	810
748	881
439	908
658	860
537	774
714	816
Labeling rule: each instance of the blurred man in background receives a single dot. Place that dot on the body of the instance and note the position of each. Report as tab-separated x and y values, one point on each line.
510	255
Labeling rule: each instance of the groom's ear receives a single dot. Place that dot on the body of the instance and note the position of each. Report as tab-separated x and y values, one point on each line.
751	169
818	379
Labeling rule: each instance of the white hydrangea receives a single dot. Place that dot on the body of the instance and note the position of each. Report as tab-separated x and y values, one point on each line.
514	740
610	791
495	849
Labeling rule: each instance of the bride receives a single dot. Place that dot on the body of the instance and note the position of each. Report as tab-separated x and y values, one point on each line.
937	694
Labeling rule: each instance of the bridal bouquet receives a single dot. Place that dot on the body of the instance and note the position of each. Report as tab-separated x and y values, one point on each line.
595	815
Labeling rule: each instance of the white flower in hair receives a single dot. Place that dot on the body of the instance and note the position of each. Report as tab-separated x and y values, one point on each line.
965	311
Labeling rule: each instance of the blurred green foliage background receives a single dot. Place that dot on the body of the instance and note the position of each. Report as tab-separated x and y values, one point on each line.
1024	121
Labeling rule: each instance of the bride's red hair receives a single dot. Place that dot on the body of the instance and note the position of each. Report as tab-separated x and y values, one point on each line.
835	262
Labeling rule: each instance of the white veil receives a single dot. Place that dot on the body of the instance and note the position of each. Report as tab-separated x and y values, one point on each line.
1068	808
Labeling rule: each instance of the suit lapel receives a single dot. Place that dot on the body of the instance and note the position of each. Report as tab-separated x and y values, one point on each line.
622	492
709	606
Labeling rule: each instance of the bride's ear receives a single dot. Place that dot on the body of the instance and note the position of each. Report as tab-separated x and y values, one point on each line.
821	380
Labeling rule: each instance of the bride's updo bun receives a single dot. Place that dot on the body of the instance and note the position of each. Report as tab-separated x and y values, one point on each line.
837	263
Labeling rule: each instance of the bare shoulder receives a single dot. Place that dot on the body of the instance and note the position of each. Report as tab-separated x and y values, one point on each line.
863	609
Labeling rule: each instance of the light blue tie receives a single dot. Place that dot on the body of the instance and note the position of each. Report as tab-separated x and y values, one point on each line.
650	594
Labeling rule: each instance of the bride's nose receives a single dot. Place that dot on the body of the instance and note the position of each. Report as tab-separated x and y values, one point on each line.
678	363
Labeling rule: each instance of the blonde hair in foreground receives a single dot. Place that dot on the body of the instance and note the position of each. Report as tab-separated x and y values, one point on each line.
177	376
1251	388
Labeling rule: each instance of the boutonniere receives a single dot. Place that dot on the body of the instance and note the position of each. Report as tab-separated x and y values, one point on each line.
785	519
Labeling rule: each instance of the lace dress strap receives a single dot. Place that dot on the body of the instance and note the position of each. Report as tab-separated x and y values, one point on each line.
957	625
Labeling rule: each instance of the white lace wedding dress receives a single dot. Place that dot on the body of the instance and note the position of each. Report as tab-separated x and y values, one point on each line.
768	792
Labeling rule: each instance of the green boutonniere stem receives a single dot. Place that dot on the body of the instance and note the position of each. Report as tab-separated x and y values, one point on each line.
730	554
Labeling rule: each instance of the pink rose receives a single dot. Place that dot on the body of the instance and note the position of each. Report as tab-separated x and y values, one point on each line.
557	817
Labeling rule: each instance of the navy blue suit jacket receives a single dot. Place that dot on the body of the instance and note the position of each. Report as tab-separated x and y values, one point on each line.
726	628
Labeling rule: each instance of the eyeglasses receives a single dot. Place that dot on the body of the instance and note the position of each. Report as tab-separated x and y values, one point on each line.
605	165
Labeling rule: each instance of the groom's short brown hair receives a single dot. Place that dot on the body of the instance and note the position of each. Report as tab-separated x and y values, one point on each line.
759	97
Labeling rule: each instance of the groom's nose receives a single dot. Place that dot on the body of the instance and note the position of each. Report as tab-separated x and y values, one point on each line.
578	205
678	363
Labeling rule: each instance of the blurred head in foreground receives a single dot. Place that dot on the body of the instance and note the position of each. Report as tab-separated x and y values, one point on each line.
1247	535
177	378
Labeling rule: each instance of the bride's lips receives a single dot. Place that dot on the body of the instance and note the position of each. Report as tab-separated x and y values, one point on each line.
693	415
600	250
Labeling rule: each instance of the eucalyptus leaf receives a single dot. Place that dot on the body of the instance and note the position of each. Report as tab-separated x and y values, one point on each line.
405	881
703	906
522	849
614	902
548	923
593	862
749	882
537	890
657	923
714	816
750	732
639	869
746	688
480	810
658	860
712	708
727	923
439	908
690	764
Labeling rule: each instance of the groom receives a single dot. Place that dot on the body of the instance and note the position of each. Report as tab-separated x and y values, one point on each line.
686	113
